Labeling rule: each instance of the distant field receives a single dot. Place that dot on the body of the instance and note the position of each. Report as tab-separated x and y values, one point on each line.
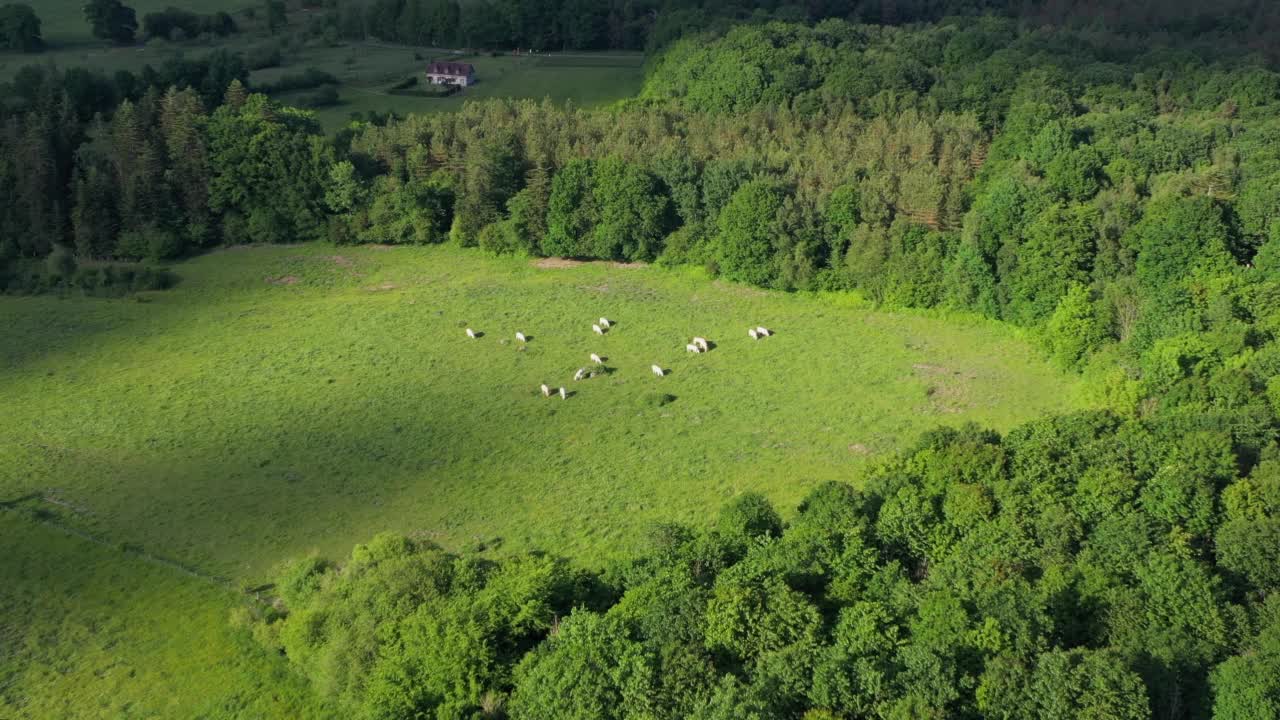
366	71
288	399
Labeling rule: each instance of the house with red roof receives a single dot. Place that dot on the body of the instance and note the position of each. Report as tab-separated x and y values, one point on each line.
451	73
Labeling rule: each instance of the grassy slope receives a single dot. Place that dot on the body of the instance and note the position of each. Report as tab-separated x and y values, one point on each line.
87	632
233	421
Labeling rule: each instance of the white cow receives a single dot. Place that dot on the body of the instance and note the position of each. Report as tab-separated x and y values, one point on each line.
563	395
597	329
471	333
702	343
596	359
657	370
520	336
546	391
604	322
755	334
582	372
764	331
693	348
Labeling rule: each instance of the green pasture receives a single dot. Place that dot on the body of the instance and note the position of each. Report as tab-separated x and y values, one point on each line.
285	400
90	632
367	72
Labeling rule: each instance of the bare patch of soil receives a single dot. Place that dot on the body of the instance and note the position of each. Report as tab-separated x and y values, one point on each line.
559	263
285	280
554	263
859	449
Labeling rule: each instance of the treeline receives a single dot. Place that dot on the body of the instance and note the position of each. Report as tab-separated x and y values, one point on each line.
161	178
177	24
1083	566
652	24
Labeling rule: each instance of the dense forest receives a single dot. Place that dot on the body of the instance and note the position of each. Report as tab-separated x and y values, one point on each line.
1115	193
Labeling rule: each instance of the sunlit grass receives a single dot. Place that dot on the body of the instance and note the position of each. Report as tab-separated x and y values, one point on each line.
288	399
89	632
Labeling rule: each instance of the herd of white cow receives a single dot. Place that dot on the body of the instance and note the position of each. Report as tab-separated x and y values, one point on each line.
697	345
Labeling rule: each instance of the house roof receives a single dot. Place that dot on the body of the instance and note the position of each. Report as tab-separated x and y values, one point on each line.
450	68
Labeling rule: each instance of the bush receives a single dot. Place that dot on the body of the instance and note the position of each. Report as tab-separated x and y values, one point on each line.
149	243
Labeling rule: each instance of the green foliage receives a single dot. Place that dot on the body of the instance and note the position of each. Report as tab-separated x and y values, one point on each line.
268	164
747	517
20	28
1073	331
112	20
746	231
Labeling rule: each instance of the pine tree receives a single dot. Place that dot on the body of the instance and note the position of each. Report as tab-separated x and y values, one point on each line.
236	95
181	121
95	218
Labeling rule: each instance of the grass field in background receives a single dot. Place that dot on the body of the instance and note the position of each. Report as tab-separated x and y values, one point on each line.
289	399
365	71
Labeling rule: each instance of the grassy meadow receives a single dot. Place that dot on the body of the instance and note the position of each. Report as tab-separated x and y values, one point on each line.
90	632
287	400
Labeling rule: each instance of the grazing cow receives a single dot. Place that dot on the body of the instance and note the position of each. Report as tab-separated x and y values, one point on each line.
693	348
596	359
764	331
604	322
582	372
657	370
702	343
755	334
597	329
471	333
546	391
520	336
563	395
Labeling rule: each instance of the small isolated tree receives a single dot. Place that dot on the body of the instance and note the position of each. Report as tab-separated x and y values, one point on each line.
20	28
112	20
